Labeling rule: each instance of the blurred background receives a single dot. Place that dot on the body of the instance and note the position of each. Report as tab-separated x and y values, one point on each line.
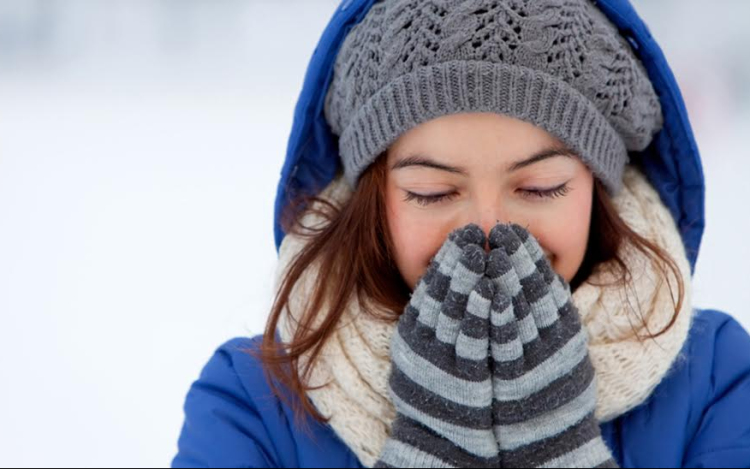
140	147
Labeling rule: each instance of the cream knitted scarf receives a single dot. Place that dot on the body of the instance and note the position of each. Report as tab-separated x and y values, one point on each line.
356	360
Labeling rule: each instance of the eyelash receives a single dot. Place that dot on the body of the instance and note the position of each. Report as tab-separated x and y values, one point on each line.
553	193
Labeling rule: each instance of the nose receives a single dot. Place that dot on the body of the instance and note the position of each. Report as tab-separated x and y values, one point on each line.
488	212
487	223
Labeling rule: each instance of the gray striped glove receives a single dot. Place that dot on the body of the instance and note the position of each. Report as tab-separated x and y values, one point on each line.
441	384
544	382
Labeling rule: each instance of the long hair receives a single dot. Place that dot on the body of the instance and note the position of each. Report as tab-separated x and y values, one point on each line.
354	247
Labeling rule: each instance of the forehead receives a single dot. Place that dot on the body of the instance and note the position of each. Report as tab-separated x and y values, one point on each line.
475	140
472	134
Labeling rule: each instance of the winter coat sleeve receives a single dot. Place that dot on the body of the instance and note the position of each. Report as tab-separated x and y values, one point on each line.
223	426
723	435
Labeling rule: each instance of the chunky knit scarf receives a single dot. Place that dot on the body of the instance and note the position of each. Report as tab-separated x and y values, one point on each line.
355	362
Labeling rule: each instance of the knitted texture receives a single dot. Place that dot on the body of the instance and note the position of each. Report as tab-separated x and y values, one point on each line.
441	382
355	363
558	64
544	388
490	362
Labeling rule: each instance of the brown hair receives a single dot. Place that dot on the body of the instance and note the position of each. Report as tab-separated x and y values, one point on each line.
354	247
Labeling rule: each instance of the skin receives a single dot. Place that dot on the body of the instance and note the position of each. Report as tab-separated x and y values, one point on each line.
484	147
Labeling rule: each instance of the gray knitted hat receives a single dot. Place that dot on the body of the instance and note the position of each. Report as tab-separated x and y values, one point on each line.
558	64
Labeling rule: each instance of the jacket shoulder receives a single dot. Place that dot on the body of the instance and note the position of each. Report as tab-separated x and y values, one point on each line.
691	419
719	341
719	354
227	412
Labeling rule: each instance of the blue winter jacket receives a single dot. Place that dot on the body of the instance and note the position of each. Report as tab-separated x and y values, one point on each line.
699	416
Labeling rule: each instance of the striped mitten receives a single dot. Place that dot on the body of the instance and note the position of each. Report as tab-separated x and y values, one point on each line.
544	382
441	384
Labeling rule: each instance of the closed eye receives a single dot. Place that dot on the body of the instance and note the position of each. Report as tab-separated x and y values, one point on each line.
553	193
425	200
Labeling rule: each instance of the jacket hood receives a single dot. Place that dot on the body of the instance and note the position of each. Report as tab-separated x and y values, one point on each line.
671	163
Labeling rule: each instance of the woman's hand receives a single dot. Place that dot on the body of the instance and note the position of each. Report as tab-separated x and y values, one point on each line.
544	384
441	383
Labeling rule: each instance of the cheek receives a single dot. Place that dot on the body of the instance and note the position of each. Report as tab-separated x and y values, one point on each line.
565	236
415	239
563	231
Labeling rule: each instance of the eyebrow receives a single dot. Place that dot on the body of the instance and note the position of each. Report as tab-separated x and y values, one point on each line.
427	162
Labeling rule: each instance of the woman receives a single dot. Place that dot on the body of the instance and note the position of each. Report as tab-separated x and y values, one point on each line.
496	270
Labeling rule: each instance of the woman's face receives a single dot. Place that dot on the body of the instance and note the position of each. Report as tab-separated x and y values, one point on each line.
485	168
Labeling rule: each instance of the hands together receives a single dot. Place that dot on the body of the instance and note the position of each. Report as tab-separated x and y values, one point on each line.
490	363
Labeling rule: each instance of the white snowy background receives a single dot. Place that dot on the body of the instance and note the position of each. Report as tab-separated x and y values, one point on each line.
140	147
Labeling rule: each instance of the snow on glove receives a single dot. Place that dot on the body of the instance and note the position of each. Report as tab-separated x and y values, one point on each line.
544	383
441	383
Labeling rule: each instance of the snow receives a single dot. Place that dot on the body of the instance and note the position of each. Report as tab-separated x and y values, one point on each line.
140	148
